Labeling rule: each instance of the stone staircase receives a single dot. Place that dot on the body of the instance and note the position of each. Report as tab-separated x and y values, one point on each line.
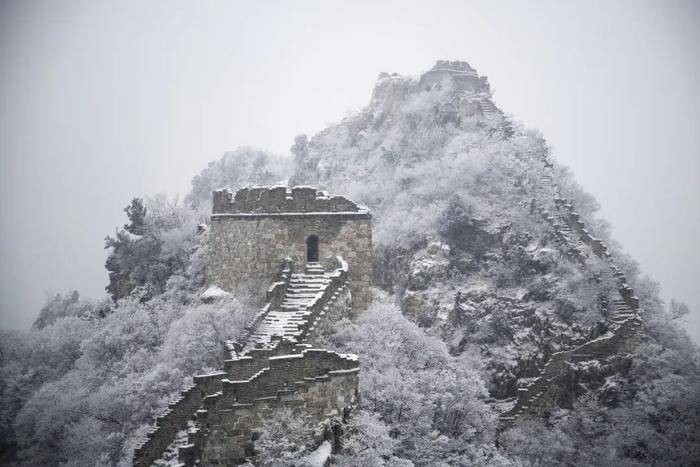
286	322
293	313
624	320
622	311
295	310
565	236
488	109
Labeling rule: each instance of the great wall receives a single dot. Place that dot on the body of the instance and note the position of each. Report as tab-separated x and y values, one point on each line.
272	365
316	250
624	321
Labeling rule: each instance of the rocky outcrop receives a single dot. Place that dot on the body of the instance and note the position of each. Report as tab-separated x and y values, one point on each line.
419	301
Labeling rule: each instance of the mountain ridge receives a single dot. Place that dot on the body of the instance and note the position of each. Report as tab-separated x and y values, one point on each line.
483	275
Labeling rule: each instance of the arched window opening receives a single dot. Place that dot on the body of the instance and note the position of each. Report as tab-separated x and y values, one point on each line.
312	249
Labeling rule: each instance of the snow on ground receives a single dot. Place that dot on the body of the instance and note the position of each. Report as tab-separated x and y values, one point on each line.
319	457
214	292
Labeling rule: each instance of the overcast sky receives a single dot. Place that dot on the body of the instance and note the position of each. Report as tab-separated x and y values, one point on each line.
103	101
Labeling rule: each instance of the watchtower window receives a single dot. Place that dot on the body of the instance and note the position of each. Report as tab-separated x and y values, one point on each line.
312	249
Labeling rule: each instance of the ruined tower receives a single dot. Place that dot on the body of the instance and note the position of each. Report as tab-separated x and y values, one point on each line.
255	230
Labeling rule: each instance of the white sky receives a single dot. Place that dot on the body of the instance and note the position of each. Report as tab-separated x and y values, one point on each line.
103	101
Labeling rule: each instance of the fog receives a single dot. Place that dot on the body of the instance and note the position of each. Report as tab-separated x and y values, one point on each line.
104	101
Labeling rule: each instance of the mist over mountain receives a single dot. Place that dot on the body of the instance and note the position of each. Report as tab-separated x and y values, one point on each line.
507	327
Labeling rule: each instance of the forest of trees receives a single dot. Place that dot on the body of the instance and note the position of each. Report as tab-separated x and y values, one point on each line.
472	294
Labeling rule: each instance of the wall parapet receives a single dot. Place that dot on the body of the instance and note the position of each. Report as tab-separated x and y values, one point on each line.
273	296
316	385
167	425
284	372
281	200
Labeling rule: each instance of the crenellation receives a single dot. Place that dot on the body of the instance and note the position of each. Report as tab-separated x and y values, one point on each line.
281	200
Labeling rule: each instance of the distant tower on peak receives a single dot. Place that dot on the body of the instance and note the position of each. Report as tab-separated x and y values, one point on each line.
462	75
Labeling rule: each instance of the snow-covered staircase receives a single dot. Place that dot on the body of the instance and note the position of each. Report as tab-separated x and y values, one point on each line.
622	311
289	322
488	109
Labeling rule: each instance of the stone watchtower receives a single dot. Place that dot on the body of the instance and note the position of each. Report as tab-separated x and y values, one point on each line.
255	230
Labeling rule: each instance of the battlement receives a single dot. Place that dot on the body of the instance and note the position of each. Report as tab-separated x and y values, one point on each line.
316	385
282	200
282	373
315	382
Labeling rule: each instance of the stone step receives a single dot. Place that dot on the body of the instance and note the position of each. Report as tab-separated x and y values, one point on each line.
308	295
306	285
292	308
305	288
296	290
298	302
309	277
628	311
315	269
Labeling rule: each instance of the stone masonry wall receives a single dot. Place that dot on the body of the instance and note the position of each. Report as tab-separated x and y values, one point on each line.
316	385
222	410
280	199
247	246
167	425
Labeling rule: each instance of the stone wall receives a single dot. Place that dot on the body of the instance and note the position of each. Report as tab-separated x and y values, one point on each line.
280	199
253	232
539	393
167	425
339	308
316	385
599	248
226	407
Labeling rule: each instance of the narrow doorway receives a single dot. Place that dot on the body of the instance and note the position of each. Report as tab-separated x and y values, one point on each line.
312	249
